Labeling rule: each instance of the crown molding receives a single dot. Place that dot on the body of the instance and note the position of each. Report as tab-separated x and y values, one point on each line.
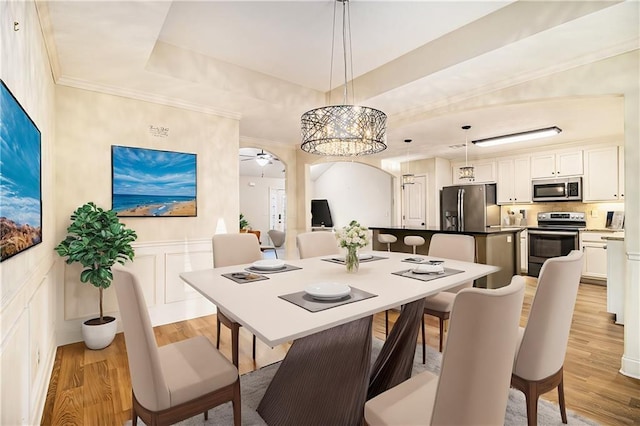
143	96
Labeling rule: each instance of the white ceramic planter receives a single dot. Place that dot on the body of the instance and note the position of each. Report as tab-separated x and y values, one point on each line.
101	335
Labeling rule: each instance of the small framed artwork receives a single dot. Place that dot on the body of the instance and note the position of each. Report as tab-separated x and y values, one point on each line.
20	178
152	183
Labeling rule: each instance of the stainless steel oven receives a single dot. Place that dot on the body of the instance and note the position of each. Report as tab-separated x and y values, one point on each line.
556	235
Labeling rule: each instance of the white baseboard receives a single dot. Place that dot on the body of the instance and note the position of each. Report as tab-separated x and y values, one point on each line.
630	367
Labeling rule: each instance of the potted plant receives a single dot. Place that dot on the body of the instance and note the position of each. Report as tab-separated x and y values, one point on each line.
97	239
244	223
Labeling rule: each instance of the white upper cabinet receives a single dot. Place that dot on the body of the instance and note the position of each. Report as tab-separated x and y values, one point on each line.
557	164
484	171
602	174
514	180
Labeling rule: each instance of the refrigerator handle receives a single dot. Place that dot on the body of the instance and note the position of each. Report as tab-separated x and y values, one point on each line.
460	209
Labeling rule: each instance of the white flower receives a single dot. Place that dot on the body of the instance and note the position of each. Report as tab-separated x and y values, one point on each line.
353	236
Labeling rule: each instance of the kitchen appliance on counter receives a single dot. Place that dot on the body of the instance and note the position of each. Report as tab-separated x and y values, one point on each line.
556	235
468	207
559	189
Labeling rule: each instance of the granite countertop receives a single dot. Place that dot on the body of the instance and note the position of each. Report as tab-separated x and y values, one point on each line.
483	231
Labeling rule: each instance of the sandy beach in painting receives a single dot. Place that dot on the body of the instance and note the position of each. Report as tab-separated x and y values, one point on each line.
184	208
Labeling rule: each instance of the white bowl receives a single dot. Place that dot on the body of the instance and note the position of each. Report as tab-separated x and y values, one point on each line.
428	269
327	290
268	264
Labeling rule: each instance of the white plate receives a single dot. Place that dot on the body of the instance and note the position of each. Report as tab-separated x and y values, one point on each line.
428	269
268	264
327	290
365	256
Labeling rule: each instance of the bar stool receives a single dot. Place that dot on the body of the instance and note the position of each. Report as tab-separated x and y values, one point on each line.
414	241
387	239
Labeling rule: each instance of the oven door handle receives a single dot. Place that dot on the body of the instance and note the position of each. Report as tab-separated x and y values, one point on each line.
558	233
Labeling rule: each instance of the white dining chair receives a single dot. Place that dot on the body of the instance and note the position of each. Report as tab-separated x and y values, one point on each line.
473	386
447	246
173	382
542	344
228	250
321	243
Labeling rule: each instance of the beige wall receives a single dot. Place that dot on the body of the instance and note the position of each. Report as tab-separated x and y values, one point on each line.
89	123
27	284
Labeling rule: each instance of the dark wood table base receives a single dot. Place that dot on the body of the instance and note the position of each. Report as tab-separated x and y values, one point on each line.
395	361
323	379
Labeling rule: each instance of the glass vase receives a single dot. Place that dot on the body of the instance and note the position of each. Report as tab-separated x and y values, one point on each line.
351	260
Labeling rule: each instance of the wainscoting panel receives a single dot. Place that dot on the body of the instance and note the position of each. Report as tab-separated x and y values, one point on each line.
175	263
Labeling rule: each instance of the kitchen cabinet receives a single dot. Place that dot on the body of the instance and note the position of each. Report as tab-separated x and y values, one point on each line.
524	251
514	180
555	164
484	171
595	255
603	168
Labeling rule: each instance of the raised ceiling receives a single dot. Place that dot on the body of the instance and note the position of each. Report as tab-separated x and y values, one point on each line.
265	62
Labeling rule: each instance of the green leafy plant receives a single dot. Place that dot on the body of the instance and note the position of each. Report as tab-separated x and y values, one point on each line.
97	239
244	223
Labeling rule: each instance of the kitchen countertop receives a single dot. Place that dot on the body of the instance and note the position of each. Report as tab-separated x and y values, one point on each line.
484	231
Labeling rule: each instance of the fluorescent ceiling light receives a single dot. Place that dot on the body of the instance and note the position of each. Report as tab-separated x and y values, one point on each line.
519	137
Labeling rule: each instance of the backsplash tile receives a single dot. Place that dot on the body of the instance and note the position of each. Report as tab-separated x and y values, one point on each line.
596	213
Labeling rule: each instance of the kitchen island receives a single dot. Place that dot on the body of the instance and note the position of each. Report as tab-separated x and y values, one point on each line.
498	246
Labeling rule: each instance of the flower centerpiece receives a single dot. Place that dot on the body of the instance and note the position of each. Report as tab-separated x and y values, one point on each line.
353	237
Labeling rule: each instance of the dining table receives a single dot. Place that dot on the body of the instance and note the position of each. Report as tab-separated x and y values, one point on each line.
327	374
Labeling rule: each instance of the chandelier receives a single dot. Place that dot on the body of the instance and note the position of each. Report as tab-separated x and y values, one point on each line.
466	172
408	178
343	130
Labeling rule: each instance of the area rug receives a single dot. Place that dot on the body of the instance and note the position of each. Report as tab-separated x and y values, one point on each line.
254	384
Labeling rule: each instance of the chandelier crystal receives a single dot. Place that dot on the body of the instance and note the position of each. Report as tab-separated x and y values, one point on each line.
466	172
344	130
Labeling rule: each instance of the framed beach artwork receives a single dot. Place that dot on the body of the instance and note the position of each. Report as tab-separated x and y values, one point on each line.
152	183
20	178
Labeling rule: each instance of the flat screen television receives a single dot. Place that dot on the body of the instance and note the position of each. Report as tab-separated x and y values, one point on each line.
320	213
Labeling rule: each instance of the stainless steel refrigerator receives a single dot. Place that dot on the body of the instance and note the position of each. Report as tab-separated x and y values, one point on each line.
468	207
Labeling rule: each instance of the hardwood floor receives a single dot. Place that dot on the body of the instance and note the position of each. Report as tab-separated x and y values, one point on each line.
93	387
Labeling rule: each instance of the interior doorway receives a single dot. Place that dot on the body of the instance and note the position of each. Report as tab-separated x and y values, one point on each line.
414	203
262	191
277	208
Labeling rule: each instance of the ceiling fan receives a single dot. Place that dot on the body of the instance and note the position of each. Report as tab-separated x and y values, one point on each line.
262	158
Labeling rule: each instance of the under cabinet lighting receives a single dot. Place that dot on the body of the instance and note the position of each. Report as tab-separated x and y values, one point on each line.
519	137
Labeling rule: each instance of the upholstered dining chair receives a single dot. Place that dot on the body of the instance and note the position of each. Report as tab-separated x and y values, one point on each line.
473	386
321	243
414	241
542	343
228	250
173	382
447	246
277	237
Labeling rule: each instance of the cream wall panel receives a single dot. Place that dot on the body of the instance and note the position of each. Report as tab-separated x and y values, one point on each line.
176	263
14	370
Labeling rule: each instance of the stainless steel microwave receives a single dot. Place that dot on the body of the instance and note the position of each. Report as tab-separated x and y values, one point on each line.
558	189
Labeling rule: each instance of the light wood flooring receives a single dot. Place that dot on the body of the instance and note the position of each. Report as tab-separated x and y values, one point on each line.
93	387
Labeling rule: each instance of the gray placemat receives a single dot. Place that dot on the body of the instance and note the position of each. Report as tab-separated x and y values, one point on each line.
272	271
302	299
427	277
244	277
341	261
